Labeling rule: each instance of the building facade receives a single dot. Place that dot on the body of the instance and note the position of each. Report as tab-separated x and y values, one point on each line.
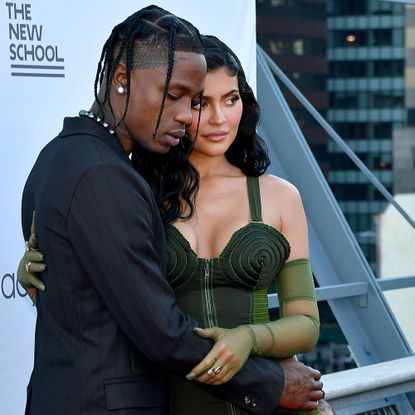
294	33
366	54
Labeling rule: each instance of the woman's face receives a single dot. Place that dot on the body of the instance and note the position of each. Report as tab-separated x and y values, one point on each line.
221	111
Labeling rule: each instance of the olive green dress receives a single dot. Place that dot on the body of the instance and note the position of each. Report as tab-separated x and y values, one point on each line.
225	291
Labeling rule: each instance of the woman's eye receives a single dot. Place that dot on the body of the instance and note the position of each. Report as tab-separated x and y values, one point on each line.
232	100
198	105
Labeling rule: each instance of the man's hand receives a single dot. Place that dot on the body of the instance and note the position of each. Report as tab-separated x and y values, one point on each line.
31	264
302	387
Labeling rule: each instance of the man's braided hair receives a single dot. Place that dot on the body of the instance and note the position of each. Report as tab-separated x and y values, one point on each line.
149	39
146	39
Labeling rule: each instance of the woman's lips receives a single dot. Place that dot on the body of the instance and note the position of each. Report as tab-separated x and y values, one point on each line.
216	136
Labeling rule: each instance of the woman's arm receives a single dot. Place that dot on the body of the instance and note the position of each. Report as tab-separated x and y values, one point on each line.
297	329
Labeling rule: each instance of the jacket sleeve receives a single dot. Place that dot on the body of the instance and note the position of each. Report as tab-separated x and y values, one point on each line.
110	225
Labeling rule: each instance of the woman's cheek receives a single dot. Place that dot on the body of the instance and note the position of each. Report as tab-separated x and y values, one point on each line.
234	118
193	126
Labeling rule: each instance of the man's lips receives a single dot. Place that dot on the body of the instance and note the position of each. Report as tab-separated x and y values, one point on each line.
178	133
173	137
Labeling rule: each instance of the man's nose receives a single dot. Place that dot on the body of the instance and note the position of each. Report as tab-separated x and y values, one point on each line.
184	116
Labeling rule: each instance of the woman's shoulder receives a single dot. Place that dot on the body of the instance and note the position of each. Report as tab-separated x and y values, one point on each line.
281	200
274	186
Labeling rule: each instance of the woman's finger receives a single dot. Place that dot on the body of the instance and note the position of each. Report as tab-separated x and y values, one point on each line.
227	374
36	267
34	256
203	367
213	374
36	282
213	333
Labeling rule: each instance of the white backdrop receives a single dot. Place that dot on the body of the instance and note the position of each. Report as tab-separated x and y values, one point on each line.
67	37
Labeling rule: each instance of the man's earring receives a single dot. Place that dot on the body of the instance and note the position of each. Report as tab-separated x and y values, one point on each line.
120	90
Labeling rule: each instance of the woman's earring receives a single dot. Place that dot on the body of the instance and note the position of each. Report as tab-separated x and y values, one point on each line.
120	90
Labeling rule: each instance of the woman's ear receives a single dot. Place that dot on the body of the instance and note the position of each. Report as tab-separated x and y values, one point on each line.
119	80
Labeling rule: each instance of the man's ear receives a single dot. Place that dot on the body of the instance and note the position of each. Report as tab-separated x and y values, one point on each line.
119	80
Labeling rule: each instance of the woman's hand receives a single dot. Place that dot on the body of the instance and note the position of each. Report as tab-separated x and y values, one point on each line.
226	358
30	265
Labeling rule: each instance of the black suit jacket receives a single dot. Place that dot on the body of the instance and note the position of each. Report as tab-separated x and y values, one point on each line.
108	330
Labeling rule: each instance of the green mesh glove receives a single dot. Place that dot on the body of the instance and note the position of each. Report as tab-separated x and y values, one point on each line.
229	353
30	265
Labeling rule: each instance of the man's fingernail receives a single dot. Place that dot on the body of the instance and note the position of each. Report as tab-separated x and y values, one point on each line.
190	376
42	288
196	329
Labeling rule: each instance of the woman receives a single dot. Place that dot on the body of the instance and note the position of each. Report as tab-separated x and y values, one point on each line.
235	233
247	228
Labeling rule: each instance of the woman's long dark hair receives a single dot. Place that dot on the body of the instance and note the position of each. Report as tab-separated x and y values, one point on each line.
172	179
248	151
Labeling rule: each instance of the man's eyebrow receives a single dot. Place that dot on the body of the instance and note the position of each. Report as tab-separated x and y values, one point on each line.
183	87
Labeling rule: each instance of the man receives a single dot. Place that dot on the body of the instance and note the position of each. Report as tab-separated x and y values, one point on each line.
108	330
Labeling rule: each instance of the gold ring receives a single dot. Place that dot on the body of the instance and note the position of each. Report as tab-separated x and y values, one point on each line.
27	266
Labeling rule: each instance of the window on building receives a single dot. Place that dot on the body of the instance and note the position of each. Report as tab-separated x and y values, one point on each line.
298	47
348	69
382	37
298	9
335	7
388	68
411	117
391	99
384	7
354	130
370	251
350	191
340	161
382	130
381	161
379	196
343	100
348	38
276	46
308	81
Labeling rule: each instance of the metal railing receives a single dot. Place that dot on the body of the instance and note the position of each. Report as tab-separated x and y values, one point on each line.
356	295
333	135
371	387
354	289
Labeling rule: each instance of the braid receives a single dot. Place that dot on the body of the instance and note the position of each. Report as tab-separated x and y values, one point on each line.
172	47
102	64
127	43
130	48
144	40
120	36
